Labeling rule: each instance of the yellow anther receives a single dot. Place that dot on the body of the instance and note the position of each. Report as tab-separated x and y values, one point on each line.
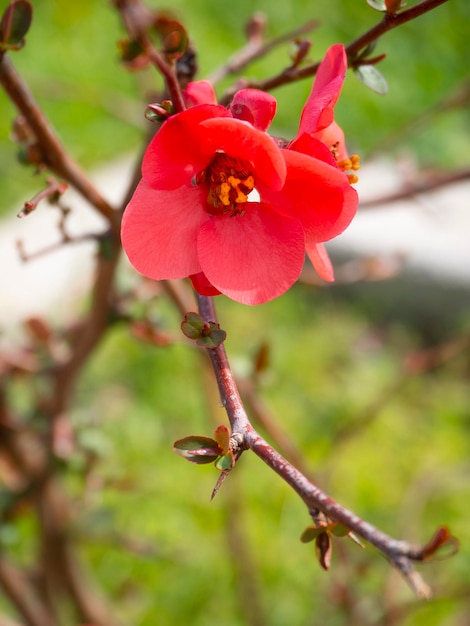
235	190
229	185
345	165
224	193
355	162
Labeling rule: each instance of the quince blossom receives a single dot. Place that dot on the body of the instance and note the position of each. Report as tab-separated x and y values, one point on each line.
222	202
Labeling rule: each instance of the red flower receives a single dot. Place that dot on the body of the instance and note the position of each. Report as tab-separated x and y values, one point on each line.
192	214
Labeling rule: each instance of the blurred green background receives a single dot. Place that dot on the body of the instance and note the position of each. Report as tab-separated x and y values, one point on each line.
394	448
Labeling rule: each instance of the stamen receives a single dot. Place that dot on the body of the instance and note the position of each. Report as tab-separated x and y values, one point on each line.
352	164
230	184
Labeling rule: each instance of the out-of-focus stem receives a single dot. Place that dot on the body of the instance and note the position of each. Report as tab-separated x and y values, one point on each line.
57	158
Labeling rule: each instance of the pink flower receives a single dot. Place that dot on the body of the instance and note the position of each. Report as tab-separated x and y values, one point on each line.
221	202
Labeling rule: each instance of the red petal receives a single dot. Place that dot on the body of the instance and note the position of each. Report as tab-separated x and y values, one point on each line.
159	231
241	141
315	193
254	106
199	92
318	110
321	261
313	147
333	136
177	152
254	257
203	286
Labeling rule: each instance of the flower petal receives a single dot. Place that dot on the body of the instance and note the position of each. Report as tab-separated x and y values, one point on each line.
159	231
199	92
254	106
177	152
252	258
318	110
241	141
321	261
203	286
313	147
333	137
317	194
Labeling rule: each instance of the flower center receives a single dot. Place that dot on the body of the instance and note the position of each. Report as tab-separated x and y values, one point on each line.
229	182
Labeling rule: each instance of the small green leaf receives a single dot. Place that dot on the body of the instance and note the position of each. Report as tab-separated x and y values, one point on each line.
206	334
225	462
173	35
222	436
129	50
196	441
213	339
15	23
338	530
192	325
311	533
378	5
197	449
368	50
372	78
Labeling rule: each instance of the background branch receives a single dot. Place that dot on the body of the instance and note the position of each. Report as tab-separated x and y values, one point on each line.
293	74
57	158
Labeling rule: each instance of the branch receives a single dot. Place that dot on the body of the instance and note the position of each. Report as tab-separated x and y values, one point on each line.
389	22
137	20
255	48
400	553
427	184
57	159
53	247
293	74
52	192
22	594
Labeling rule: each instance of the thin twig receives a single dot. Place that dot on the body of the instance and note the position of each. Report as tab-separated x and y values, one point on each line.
137	19
255	49
54	247
23	596
57	158
426	184
400	553
52	191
